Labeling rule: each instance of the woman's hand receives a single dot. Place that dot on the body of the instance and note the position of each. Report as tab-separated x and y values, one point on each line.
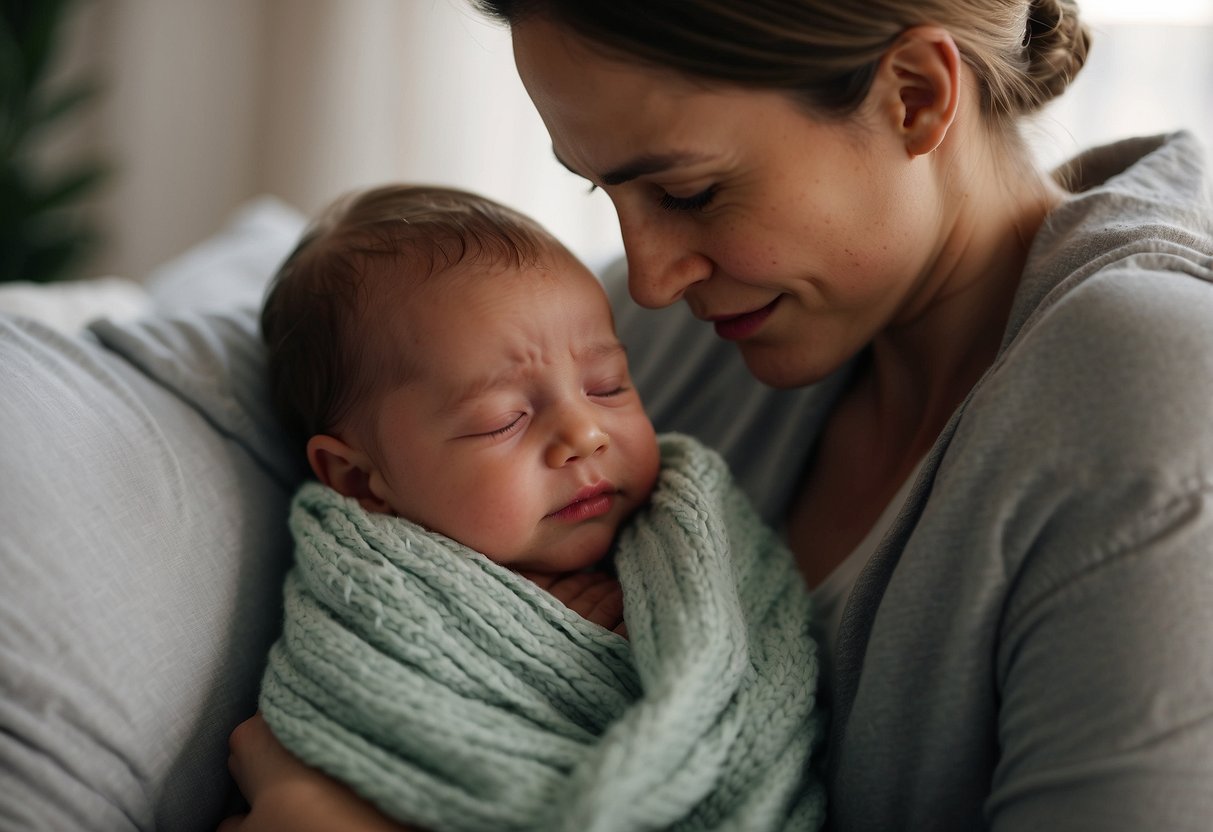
285	794
595	595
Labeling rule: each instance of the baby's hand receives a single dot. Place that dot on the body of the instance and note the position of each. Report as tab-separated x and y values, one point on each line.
595	596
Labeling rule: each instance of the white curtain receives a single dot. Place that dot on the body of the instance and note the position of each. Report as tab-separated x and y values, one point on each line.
212	102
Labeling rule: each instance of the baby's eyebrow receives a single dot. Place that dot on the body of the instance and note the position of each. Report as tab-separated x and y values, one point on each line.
487	383
481	386
603	349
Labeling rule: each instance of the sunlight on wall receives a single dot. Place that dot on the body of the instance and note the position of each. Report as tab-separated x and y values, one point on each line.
1142	77
1184	12
211	104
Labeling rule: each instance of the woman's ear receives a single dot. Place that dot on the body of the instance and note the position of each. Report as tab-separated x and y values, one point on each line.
346	470
919	84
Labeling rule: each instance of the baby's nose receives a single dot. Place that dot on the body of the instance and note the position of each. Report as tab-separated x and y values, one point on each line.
579	438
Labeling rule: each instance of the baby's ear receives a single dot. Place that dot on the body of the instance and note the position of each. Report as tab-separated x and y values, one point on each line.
346	470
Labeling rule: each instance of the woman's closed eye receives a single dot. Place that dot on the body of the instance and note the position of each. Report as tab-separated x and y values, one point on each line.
688	203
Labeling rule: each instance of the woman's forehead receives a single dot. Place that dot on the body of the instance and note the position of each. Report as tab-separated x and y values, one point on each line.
561	71
575	86
611	120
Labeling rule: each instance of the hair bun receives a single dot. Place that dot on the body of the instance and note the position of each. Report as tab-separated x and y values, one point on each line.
1056	43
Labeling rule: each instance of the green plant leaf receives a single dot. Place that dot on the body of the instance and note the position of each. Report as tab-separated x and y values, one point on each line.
43	235
37	24
64	102
68	187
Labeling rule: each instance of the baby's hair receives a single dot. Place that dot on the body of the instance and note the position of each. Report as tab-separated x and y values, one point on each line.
825	52
322	329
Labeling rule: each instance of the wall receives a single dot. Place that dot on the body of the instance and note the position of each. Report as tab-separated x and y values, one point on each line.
211	103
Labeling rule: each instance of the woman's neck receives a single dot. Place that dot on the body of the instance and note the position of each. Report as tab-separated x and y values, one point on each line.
925	363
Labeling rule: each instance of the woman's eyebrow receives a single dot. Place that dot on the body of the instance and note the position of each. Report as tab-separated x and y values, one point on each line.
644	165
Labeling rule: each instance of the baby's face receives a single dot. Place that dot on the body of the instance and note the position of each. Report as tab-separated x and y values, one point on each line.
521	436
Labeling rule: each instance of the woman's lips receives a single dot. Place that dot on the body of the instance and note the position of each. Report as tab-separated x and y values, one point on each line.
737	327
590	502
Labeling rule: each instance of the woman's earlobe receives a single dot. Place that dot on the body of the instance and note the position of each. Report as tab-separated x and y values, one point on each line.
923	68
346	470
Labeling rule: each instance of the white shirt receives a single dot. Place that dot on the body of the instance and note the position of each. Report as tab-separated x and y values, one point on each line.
830	596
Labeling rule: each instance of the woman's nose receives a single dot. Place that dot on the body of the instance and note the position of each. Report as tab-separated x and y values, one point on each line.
577	436
661	263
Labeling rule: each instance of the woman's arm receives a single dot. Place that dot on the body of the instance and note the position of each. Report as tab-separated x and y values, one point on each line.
287	795
1106	679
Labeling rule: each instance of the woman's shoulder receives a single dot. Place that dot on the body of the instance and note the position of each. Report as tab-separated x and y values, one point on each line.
1114	375
1139	204
1098	405
1091	434
1110	341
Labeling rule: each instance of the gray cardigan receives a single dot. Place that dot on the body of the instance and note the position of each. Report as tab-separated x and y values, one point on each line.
1031	645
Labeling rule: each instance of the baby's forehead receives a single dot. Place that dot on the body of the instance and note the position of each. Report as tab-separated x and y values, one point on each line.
474	300
549	279
417	268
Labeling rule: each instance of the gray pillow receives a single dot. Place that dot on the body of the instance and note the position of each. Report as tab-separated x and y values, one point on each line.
142	554
215	362
230	268
143	498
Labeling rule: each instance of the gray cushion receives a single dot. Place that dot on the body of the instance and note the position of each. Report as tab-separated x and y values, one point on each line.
143	497
215	362
230	268
142	552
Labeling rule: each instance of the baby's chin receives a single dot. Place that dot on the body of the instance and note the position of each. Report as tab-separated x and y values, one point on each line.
568	558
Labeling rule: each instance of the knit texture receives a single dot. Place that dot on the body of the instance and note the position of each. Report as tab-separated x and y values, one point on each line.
456	695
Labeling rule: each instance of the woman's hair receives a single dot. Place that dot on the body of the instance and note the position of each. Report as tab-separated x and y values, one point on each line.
324	320
825	52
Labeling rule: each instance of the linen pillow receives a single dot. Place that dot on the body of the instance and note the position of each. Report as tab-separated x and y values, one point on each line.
71	305
142	553
232	267
143	498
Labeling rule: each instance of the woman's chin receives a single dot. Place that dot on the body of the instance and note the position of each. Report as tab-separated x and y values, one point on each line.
772	367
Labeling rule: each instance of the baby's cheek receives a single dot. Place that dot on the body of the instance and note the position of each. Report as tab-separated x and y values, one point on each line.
503	522
653	469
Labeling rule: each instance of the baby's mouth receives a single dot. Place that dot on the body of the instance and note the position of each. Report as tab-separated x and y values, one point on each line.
591	501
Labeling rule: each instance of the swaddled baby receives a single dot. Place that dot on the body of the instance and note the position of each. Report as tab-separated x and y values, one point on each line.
466	409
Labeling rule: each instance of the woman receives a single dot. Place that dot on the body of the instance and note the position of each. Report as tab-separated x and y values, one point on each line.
1007	496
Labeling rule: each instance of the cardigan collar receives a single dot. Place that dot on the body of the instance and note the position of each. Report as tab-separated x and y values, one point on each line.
1163	179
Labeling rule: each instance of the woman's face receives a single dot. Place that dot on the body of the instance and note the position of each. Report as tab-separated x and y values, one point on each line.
800	239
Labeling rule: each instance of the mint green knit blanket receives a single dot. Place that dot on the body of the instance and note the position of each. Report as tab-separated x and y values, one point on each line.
456	695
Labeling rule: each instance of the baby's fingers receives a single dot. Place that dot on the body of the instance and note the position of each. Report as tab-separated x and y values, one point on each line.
595	596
